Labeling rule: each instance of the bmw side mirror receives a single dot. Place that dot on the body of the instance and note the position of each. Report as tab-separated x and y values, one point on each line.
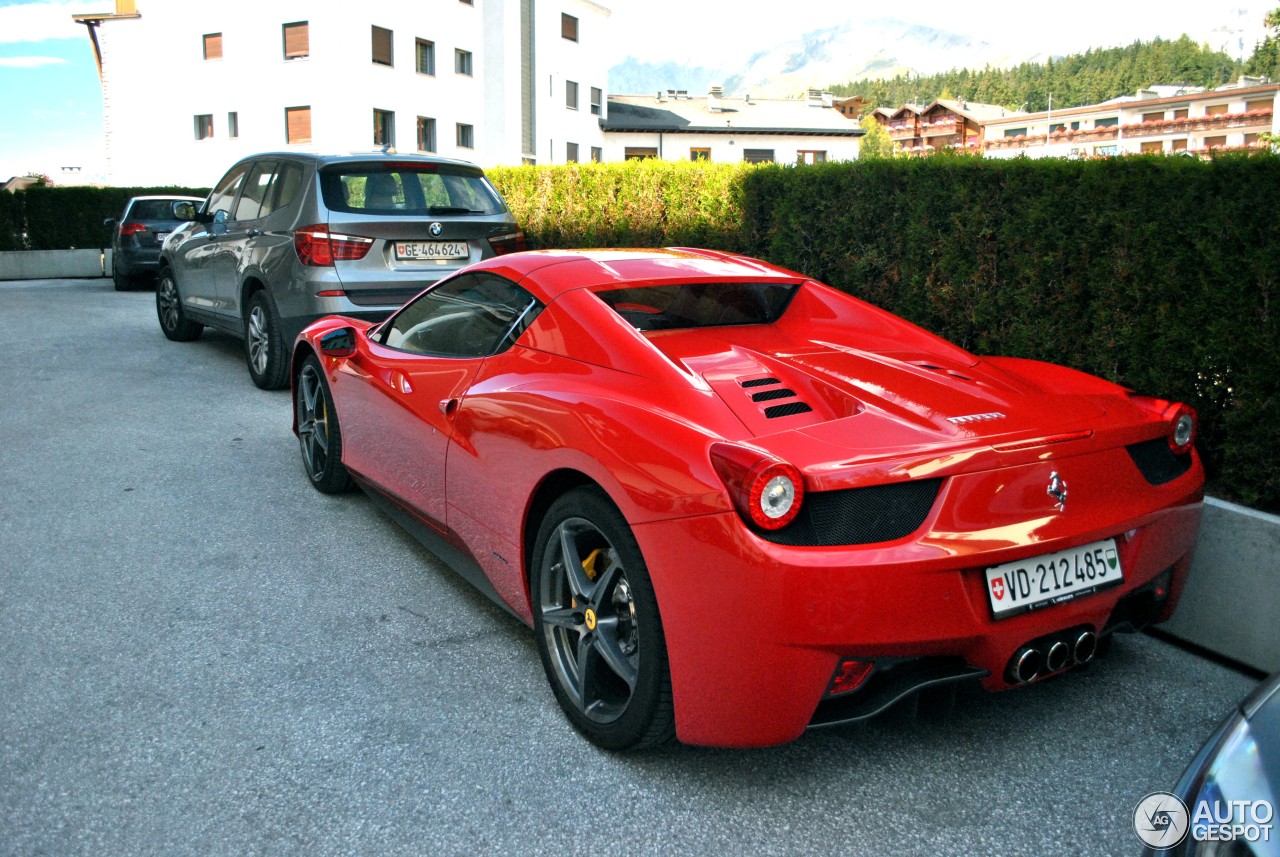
338	343
184	211
110	221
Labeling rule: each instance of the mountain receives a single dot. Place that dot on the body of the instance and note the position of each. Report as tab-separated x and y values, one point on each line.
819	58
851	50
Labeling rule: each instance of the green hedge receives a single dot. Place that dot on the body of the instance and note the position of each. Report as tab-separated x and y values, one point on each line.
64	218
1156	272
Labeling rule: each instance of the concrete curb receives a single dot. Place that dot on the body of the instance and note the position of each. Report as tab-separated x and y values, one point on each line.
1232	599
54	264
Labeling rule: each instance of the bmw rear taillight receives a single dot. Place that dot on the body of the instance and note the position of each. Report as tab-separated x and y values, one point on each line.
127	229
1182	427
766	491
511	242
320	248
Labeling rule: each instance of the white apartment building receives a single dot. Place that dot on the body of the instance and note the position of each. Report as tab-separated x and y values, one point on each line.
1166	119
188	89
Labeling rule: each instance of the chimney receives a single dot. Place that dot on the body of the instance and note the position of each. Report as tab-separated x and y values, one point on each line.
660	95
713	98
815	98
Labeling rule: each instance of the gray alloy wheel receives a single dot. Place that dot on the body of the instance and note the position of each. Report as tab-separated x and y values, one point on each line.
597	625
263	346
173	321
318	431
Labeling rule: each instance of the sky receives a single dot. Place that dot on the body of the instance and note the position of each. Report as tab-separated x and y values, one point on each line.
51	103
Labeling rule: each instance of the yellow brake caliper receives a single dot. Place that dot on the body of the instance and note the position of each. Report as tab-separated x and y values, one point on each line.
589	566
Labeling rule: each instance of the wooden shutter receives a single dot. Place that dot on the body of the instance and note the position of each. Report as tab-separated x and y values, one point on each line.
568	27
297	40
381	45
213	46
298	124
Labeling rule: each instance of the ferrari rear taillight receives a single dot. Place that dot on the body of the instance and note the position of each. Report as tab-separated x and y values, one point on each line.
766	491
1182	428
320	248
511	242
127	229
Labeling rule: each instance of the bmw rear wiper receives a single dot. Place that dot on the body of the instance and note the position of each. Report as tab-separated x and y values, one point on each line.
450	209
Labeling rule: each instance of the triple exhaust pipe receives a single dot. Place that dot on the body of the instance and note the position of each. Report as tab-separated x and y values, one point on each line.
1051	655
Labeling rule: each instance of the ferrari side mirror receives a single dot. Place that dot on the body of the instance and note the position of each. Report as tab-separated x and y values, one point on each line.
338	343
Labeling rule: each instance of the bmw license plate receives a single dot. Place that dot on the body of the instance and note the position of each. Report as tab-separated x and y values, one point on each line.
431	250
1043	581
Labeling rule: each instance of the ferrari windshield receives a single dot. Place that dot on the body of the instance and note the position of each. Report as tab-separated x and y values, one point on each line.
699	304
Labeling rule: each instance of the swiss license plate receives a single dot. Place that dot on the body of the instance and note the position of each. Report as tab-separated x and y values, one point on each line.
160	236
432	250
1042	581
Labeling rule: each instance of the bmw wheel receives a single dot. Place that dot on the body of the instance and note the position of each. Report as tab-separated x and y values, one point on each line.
173	321
318	431
597	625
263	346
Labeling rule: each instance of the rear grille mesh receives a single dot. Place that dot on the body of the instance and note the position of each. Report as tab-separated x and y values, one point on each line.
769	395
774	411
1157	462
859	516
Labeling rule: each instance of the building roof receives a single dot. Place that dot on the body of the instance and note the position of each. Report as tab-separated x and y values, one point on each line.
711	114
1233	90
973	110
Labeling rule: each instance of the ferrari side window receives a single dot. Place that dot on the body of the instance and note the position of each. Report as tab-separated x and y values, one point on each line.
473	315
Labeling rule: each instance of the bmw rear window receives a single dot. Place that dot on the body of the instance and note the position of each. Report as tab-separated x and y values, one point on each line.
426	190
699	304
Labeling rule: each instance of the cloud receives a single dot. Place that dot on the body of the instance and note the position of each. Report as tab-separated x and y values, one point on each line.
29	62
38	22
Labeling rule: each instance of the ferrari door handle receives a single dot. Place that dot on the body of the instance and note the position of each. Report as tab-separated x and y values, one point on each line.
448	406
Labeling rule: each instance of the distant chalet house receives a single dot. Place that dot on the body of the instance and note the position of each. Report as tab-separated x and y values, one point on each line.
1159	119
675	126
944	124
851	107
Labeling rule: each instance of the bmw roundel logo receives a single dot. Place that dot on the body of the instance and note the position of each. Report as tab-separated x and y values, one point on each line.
436	229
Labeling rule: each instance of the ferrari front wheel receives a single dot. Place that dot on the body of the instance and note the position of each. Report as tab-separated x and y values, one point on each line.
318	431
597	624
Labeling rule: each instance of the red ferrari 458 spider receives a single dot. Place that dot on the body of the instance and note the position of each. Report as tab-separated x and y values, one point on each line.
734	503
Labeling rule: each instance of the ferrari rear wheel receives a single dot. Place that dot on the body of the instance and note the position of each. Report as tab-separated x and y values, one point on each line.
173	321
318	431
597	625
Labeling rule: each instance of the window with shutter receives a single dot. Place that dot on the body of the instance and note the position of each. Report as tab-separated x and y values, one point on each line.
213	46
297	124
382	46
297	40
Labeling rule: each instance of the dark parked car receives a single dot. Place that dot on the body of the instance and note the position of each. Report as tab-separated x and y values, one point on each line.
1225	803
286	238
137	235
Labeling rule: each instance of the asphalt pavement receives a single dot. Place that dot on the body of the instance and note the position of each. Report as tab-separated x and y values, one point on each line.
200	654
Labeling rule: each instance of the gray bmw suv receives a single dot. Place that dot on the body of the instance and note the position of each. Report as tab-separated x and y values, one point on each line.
285	238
